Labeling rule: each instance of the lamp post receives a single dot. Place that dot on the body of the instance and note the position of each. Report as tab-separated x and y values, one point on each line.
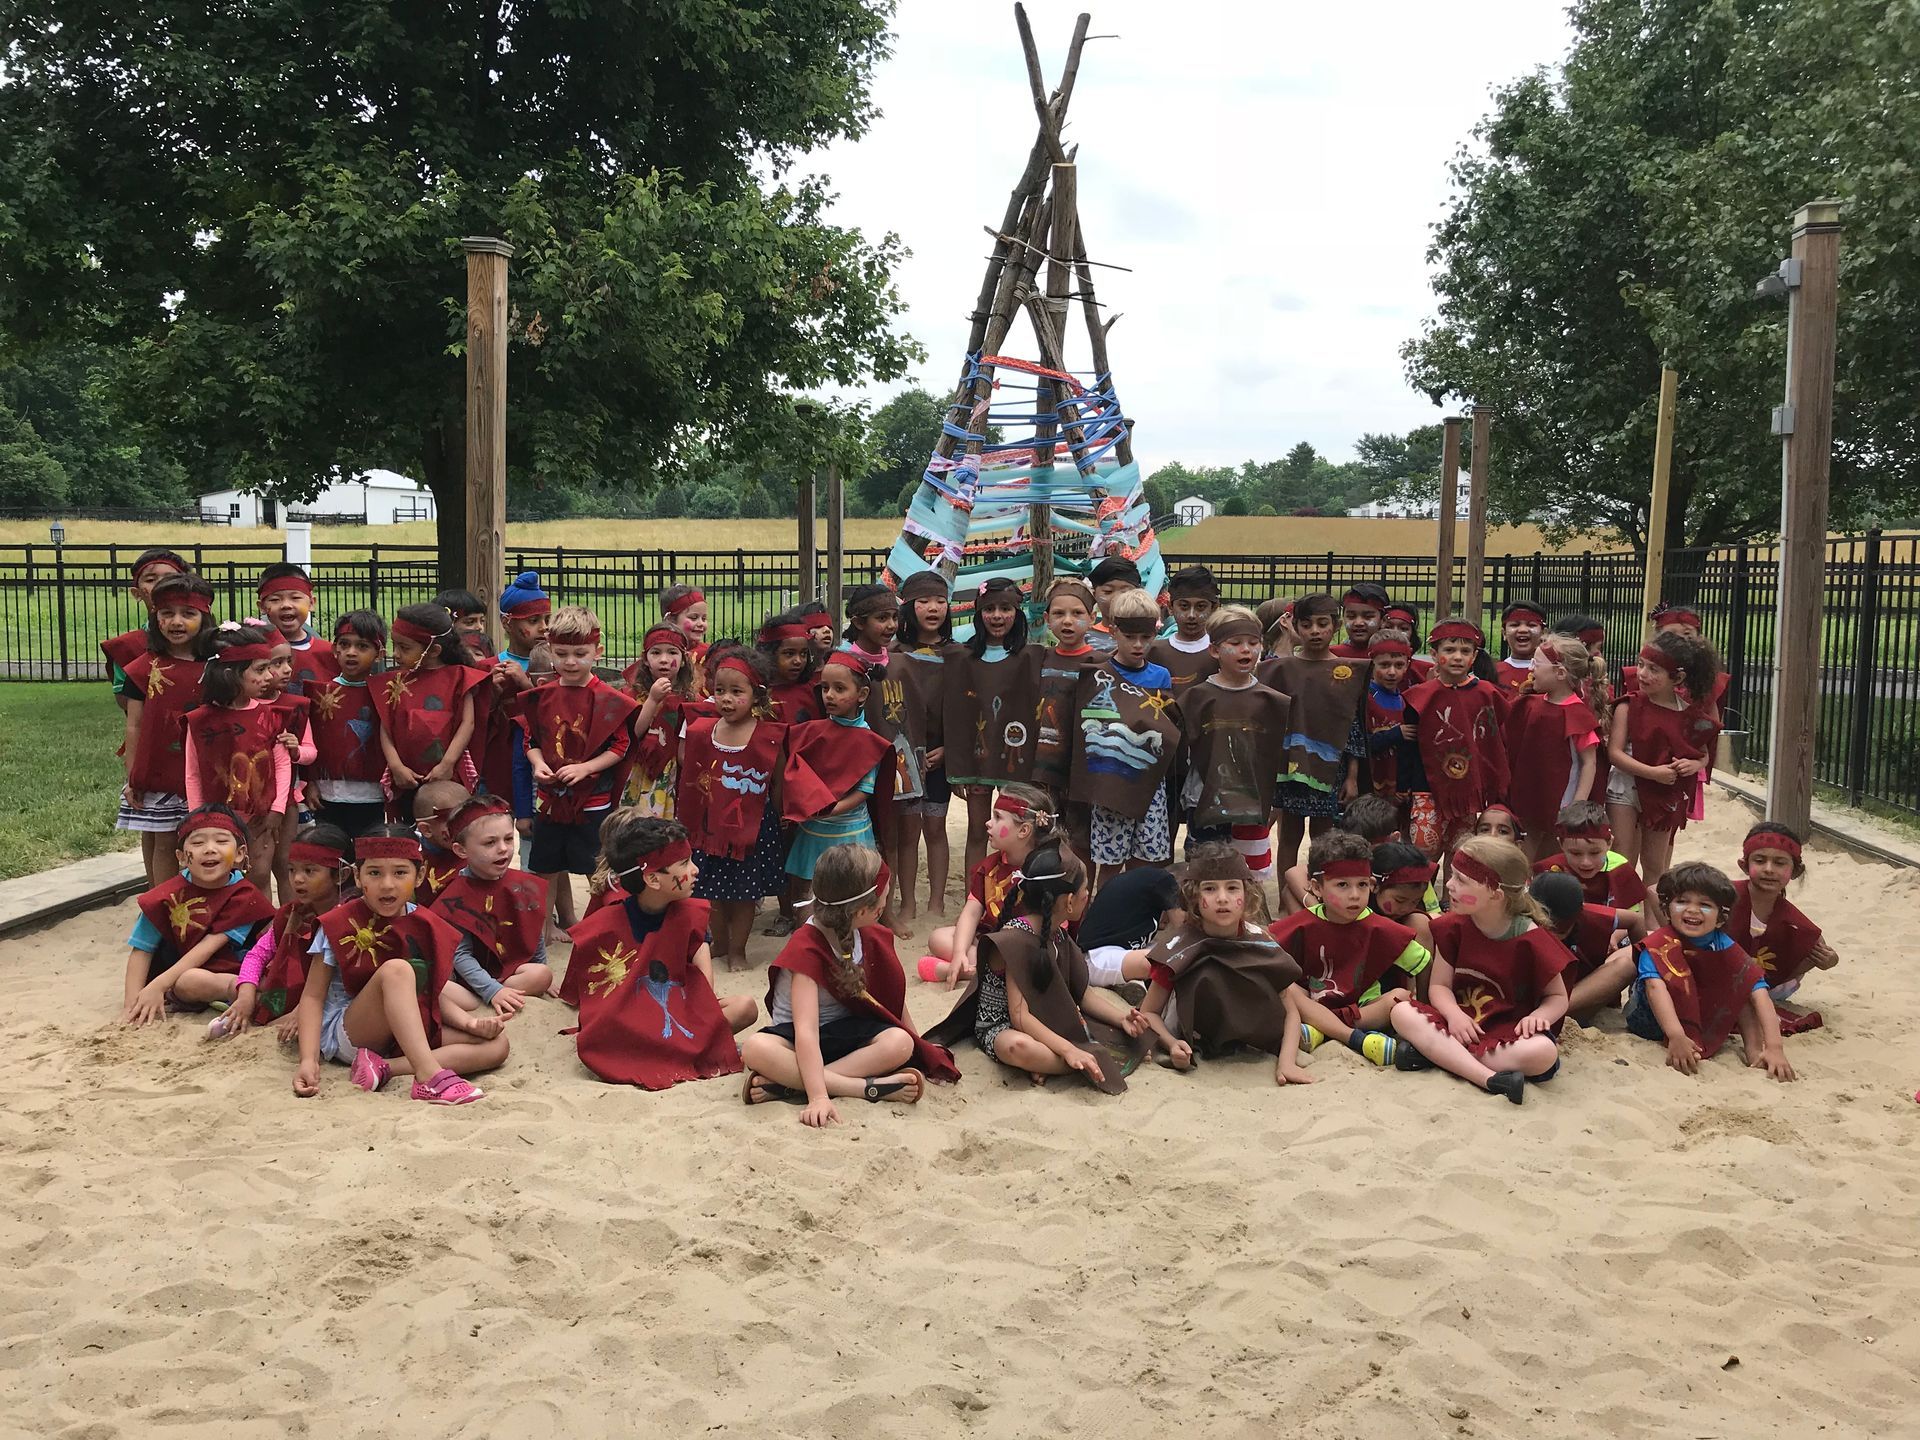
57	533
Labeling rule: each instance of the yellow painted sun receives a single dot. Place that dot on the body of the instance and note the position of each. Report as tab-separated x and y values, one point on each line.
398	687
157	682
183	913
365	939
612	971
327	703
1154	702
1343	672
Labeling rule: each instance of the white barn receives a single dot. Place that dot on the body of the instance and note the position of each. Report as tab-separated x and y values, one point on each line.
1193	509
382	496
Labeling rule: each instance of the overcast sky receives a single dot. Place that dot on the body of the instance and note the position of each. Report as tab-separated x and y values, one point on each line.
1269	171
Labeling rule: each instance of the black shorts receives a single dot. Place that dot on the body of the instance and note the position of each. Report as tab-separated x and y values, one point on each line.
356	817
574	849
840	1038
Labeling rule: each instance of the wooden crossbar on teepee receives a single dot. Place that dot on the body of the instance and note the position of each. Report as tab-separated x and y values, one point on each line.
989	508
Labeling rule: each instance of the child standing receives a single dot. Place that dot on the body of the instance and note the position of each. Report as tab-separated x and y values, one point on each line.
1356	965
821	627
684	608
728	801
1456	718
1192	596
1125	743
233	751
162	687
274	971
916	683
1393	761
662	679
1031	1005
150	567
989	703
834	782
286	600
641	971
193	928
1522	624
1770	927
424	706
1234	731
1496	991
873	618
1069	614
1022	820
1693	986
1326	733
836	1003
500	912
1587	854
347	761
524	609
1220	981
1552	740
1362	610
1107	579
1661	743
787	648
377	1000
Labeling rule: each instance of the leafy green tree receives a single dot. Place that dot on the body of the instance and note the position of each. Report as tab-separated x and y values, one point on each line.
714	502
1403	469
905	430
260	204
1617	216
54	405
670	502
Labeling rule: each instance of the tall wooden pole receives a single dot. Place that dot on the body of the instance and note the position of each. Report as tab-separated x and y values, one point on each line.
836	540
809	539
487	422
1657	505
1449	504
1060	250
1805	424
1481	473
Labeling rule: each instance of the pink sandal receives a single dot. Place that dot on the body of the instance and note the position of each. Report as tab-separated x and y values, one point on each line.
447	1088
370	1071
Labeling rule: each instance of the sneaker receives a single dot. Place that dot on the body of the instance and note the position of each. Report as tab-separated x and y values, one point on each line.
370	1071
447	1088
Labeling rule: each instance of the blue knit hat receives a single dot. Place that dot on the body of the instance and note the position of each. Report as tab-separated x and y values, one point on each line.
524	597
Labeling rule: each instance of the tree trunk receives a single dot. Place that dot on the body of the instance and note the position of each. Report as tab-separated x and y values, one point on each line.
443	452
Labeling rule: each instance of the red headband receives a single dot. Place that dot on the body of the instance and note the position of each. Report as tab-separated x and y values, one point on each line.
297	583
527	609
664	635
405	629
662	859
685	602
1592	830
592	637
210	822
1769	840
1014	805
305	852
245	654
1345	870
1412	617
1593	634
172	564
775	634
1505	810
1523	607
1653	655
856	663
816	609
1381	644
735	662
1477	870
1676	615
477	808
1457	629
191	600
387	847
1406	875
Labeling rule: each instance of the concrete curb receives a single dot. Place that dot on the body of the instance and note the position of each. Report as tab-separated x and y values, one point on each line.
1834	824
52	895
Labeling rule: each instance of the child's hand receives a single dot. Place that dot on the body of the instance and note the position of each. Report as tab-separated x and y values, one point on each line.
1664	775
1463	1028
1683	1055
1685	766
1825	957
286	1030
819	1114
936	756
1533	1024
1773	1060
1285	1074
542	772
1180	1053
1408	729
239	1014
148	1006
306	1080
1349	789
1078	1059
661	690
444	770
960	969
571	775
288	740
403	777
1135	1024
508	1002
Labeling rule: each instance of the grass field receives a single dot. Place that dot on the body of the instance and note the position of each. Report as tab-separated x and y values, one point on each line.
59	775
1351	535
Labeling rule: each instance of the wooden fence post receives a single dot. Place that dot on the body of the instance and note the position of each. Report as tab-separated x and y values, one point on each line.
809	540
487	422
1657	505
1449	503
836	540
1476	585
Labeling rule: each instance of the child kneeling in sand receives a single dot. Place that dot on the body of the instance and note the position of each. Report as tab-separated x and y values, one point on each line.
1496	990
836	997
1221	981
385	964
185	948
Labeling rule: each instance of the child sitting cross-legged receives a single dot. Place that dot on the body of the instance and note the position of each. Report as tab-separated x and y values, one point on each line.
1403	891
1356	965
500	912
274	973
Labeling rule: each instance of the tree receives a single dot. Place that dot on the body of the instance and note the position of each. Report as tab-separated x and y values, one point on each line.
1402	469
905	430
1619	215
260	206
66	444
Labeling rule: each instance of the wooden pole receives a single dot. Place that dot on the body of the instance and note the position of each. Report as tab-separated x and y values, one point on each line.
487	422
1805	424
809	539
1449	503
1476	586
836	540
1657	506
1060	249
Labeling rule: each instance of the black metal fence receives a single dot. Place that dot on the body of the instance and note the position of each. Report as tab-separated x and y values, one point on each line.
56	603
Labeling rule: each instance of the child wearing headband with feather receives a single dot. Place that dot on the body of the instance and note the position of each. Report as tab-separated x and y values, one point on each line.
423	705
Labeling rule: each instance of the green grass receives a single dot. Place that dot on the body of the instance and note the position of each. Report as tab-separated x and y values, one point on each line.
59	774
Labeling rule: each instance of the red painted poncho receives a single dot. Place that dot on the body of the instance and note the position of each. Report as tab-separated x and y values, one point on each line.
437	869
186	914
882	994
492	744
123	649
648	1016
723	795
795	704
1339	963
1785	947
1539	736
1461	747
346	731
362	942
285	977
1618	885
420	711
168	691
504	918
235	753
1497	982
313	667
1589	940
569	724
1657	735
1709	988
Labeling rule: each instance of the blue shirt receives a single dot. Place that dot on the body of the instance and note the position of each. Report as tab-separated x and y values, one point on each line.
146	935
1148	677
1645	968
859	722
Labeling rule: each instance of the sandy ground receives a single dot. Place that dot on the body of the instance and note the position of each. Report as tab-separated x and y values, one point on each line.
186	1245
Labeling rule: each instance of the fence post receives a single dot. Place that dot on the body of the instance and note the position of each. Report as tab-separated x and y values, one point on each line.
60	602
740	575
233	592
373	577
1737	635
1864	664
1329	569
1586	581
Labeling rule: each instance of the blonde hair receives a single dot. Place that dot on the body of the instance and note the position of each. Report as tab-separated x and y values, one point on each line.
1132	604
1570	653
1041	815
845	882
1510	863
1217	621
573	625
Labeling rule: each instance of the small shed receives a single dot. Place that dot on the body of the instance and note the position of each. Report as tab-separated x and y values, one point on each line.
379	497
1193	509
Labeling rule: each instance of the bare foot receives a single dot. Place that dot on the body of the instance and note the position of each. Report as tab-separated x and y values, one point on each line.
484	1026
738	962
556	936
904	1086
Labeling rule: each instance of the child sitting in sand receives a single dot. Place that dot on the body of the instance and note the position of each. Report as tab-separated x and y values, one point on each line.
1496	990
1030	1005
836	1003
1403	891
275	971
1770	927
1220	981
1587	853
185	948
1593	934
500	912
1022	820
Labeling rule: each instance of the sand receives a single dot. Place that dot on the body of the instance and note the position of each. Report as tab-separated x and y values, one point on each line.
188	1249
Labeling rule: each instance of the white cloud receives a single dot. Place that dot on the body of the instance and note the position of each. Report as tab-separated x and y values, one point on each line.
1269	172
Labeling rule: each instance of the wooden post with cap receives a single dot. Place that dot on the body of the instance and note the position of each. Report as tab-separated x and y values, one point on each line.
1449	504
1477	477
1805	427
1657	504
487	422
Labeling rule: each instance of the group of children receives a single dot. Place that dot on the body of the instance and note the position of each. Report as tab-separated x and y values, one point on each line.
1472	828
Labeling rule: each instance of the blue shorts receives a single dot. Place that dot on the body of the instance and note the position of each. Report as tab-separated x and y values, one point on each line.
334	1044
1639	1015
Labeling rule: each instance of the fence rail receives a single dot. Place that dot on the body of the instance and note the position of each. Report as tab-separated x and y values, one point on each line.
56	603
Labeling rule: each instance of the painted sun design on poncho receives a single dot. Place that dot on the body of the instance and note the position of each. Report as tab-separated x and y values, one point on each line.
183	913
364	939
327	703
612	971
397	687
157	683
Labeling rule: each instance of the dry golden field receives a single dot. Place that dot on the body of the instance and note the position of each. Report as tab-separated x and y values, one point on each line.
1350	535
